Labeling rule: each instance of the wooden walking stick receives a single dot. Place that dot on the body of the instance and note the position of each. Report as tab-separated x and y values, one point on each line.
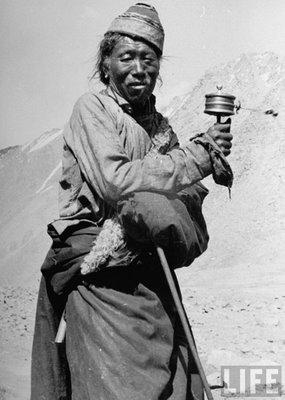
60	336
184	320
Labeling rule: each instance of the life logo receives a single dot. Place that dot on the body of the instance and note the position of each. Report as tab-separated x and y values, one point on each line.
251	381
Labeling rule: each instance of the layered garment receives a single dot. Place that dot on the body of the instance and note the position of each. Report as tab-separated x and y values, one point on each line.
123	337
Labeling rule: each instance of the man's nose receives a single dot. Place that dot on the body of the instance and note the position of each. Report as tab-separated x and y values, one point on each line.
138	68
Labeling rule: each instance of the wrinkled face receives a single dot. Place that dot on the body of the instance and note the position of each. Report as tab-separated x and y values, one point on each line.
133	68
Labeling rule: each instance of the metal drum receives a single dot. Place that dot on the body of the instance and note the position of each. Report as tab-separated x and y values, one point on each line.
220	104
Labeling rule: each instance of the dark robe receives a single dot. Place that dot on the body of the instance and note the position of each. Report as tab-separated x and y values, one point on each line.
123	337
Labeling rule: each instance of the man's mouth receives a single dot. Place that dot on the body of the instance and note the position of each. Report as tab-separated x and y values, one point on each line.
137	85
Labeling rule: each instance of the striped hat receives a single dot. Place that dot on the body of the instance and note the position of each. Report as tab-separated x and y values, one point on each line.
140	20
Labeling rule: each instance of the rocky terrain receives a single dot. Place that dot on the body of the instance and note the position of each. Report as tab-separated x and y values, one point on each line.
235	293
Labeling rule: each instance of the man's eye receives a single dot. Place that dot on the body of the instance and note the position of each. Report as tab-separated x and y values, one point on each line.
149	60
126	58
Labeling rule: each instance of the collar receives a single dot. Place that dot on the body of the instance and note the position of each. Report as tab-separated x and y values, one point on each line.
126	106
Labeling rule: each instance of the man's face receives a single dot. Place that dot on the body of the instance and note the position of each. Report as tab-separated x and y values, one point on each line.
133	68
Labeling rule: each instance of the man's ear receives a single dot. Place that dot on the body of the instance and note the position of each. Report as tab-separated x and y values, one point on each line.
106	67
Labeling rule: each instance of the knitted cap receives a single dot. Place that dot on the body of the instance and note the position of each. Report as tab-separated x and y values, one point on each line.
140	20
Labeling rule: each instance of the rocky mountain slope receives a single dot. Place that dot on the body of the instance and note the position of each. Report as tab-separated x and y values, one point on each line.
256	211
235	292
29	176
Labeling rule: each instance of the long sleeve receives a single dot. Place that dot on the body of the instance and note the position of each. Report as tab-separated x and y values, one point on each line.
93	137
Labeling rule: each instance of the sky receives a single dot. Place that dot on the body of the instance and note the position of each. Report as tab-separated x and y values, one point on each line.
48	50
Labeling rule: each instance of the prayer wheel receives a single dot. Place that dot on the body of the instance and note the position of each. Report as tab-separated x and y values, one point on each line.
220	104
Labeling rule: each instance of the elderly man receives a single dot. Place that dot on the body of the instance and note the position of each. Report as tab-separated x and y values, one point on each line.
126	186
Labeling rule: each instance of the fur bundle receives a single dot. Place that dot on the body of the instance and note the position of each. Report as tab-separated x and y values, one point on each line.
109	246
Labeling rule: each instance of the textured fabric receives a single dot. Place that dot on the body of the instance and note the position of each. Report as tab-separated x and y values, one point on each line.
140	20
152	218
61	266
106	157
50	377
176	224
123	340
222	172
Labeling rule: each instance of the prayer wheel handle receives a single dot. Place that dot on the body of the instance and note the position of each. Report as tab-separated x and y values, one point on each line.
220	104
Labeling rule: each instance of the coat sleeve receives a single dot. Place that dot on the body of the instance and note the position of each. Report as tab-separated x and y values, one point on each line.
92	136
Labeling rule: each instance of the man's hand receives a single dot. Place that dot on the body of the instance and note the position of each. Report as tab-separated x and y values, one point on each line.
220	133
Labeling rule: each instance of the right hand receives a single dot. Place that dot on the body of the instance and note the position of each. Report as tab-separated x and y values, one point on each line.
220	133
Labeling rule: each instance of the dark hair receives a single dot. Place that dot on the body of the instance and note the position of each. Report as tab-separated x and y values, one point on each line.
106	47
